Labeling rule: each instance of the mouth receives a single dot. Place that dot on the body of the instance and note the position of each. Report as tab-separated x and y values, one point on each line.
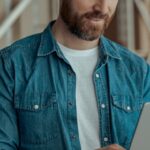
95	19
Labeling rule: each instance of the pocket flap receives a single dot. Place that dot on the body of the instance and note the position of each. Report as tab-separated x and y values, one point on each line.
35	101
127	103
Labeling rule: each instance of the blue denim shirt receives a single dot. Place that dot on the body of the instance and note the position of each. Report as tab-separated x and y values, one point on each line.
37	95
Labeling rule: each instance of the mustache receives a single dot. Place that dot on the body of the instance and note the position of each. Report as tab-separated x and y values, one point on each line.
97	15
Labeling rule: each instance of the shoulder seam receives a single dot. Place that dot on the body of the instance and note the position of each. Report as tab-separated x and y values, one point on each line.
21	44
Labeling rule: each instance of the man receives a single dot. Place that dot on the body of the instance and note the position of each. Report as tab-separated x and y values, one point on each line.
69	87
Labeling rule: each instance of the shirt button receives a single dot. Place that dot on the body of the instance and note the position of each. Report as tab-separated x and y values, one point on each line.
103	105
97	75
73	137
70	104
70	72
36	107
128	108
106	139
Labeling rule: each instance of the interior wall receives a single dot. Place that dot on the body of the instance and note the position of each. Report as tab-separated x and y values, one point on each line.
33	20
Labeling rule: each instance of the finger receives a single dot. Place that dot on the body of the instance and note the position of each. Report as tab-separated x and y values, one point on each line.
112	147
115	147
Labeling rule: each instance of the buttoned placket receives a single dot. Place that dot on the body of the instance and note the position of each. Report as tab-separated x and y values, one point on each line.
72	111
71	105
101	89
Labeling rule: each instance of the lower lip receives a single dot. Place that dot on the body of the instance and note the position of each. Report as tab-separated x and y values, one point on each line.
95	19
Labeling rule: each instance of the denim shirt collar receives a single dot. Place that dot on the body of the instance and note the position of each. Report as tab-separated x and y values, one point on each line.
48	45
48	42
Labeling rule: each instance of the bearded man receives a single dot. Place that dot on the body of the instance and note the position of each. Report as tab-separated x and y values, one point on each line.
69	87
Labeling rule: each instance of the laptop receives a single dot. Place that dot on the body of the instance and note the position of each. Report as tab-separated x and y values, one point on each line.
141	139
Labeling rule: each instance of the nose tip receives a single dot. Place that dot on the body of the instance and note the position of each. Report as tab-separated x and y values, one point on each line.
101	6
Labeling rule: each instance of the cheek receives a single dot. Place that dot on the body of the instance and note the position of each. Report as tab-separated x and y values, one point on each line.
112	6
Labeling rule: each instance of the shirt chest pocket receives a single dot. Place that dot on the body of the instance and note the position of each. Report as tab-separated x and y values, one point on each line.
37	117
125	113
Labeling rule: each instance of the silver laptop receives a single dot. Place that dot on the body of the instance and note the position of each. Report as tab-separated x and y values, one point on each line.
141	139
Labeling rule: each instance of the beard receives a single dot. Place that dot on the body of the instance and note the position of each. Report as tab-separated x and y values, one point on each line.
88	26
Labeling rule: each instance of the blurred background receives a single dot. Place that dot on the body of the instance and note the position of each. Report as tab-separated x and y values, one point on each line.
130	27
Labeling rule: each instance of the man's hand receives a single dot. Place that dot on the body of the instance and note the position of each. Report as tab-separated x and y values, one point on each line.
112	147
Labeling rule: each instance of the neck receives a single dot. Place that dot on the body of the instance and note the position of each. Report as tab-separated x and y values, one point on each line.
65	37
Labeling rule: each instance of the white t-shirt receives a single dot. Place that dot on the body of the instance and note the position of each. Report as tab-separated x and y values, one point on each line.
83	63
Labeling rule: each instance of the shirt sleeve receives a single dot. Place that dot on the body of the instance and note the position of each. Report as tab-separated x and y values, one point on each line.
8	120
146	92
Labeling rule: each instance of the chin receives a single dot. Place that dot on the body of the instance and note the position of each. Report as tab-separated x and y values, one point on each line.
89	37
